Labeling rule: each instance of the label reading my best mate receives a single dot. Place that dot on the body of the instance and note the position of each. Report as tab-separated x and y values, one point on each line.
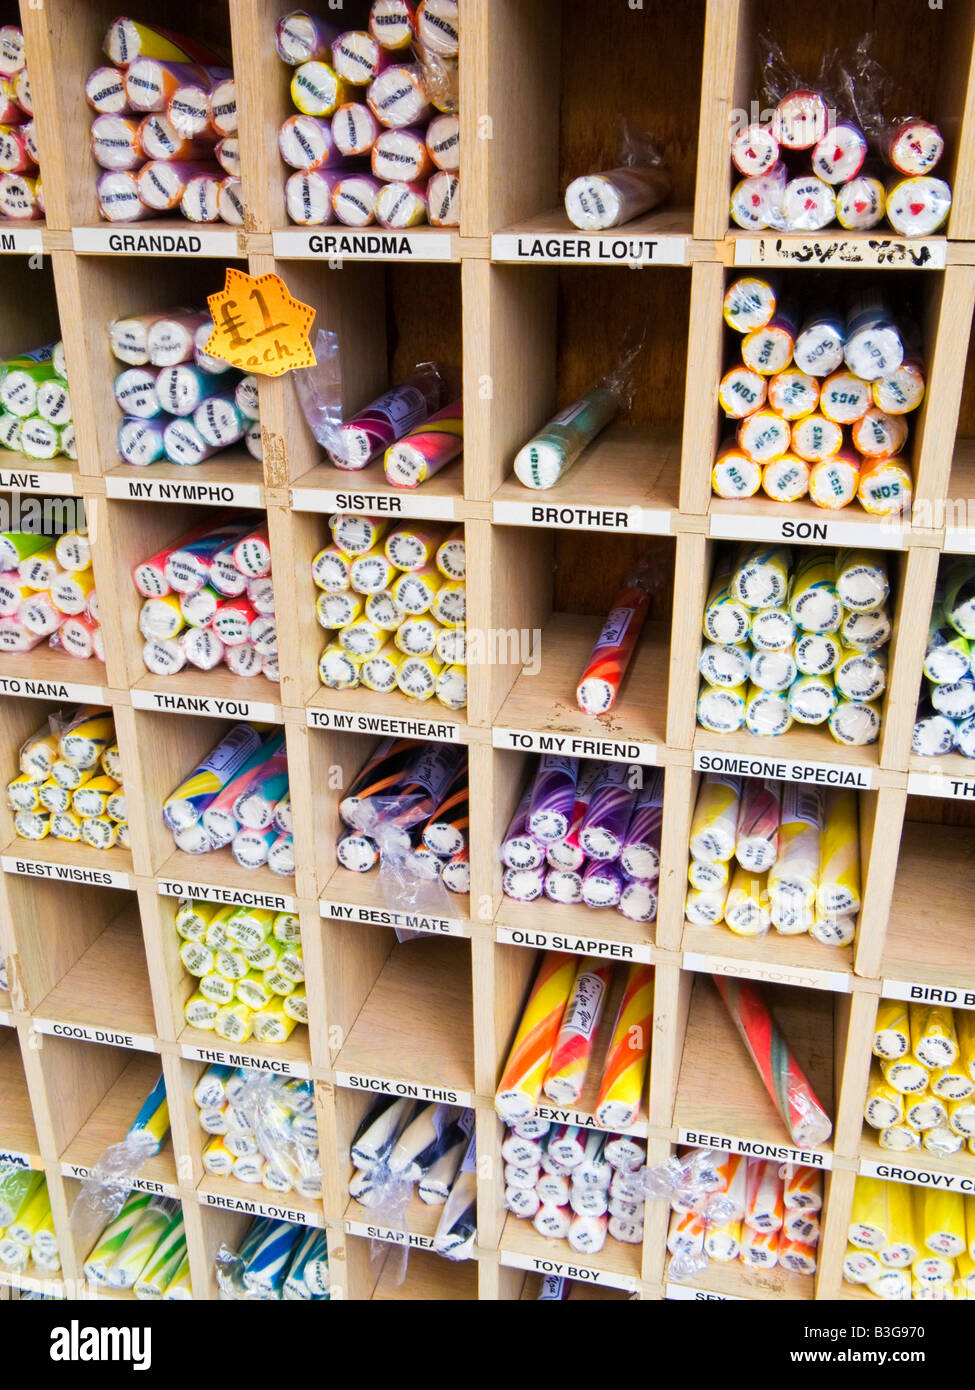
227	897
160	1189
575	745
606	248
565	1269
402	921
295	1215
22	480
681	1293
743	526
380	1085
835	980
393	726
211	705
785	769
281	1066
107	241
851	253
575	945
780	1153
937	784
52	690
412	504
343	244
84	1032
165	490
64	873
390	1236
916	993
638	520
916	1177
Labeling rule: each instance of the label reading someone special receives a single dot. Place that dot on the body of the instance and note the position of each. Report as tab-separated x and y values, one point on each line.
785	769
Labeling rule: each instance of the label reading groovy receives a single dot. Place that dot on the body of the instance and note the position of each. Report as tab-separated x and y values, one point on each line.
165	490
928	994
106	241
575	746
742	526
835	980
343	244
210	705
279	1065
917	1177
22	481
83	1032
393	726
850	253
575	945
64	873
785	769
411	1089
295	1215
780	1153
402	921
51	690
227	897
565	1269
316	499
605	249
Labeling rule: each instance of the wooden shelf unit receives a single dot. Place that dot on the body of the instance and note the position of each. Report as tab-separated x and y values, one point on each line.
526	315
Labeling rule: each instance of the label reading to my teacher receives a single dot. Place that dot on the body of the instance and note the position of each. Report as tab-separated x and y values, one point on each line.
295	1215
379	1085
575	945
136	1042
780	1153
565	1269
227	897
210	705
785	769
107	241
118	485
414	504
917	1177
741	525
161	1189
575	746
603	248
851	253
223	1057
836	980
343	244
402	921
928	994
24	481
391	1237
51	690
440	730
64	873
642	520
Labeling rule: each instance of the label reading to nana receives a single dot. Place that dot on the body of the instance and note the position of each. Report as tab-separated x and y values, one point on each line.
227	897
372	245
412	1090
575	745
917	1177
441	730
639	520
835	980
159	1189
296	1215
84	1032
402	921
389	1235
575	945
917	993
64	873
743	526
601	248
210	705
52	690
165	490
106	241
22	481
316	499
681	1293
939	784
566	1269
839	252
780	1153
784	769
224	1057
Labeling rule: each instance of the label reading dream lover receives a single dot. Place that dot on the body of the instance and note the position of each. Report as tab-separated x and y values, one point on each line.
295	1215
64	873
566	1269
209	705
779	1153
227	897
412	1090
411	504
402	921
785	769
575	746
226	1058
606	248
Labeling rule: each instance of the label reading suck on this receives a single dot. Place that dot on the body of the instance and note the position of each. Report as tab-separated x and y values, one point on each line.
389	1235
835	980
84	1032
18	480
375	244
165	490
872	253
107	241
575	746
607	248
636	520
743	526
159	1189
295	1215
440	730
937	784
778	1153
785	769
682	1293
575	945
917	1177
226	897
405	504
64	873
412	1090
915	993
565	1269
9	1158
280	1066
584	1121
51	690
401	921
209	705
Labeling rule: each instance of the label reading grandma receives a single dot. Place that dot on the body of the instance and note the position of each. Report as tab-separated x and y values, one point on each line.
224	1057
875	253
402	921
917	1177
575	746
165	490
575	945
412	1090
565	1269
390	1236
296	1215
374	244
607	248
779	1153
227	897
64	873
917	993
160	1189
102	241
84	1032
210	705
741	525
440	730
835	980
51	690
785	769
418	504
32	481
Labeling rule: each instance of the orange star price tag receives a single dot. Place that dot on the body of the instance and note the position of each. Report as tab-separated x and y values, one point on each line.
258	326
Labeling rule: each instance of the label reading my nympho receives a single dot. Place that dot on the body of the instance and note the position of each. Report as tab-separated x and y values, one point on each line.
574	945
223	1057
199	494
402	921
785	770
779	1153
575	746
608	248
209	705
412	1090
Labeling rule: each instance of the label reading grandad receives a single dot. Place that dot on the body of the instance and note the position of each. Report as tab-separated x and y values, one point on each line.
365	246
781	1153
379	1085
647	521
295	1215
740	525
440	730
937	784
161	1189
680	1293
227	897
575	746
602	249
106	241
785	769
209	705
83	1032
928	994
513	1259
316	499
164	490
916	1177
835	980
877	253
32	481
575	945
402	921
64	873
390	1236
279	1065
584	1120
52	690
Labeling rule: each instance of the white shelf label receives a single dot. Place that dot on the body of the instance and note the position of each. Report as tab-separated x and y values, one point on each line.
838	981
398	726
940	784
108	241
637	520
375	244
917	1177
31	480
839	252
143	489
744	526
575	248
227	897
755	1148
389	1235
917	993
959	540
575	745
21	241
682	1293
380	1085
84	1032
410	503
402	921
30	688
10	1158
281	1066
64	873
584	1120
161	1189
296	1215
170	702
6	1019
785	769
565	1269
575	945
